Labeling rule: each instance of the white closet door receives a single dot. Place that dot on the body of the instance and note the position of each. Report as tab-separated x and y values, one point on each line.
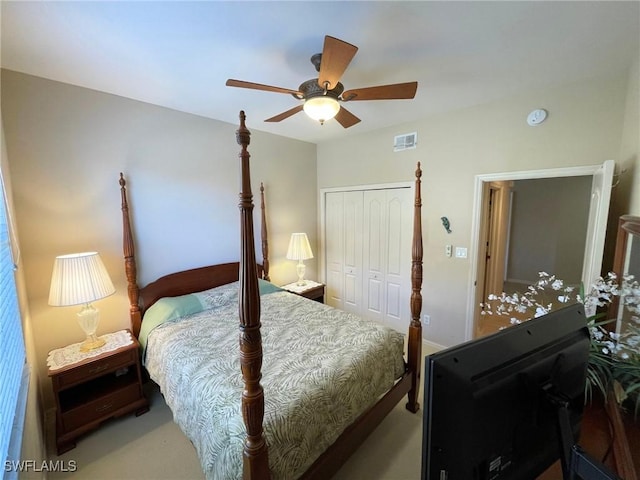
334	251
398	257
352	269
343	240
374	250
387	255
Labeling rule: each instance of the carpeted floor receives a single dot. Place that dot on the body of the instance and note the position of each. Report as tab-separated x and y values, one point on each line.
153	447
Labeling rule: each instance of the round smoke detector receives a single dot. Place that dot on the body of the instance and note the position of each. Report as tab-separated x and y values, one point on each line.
537	117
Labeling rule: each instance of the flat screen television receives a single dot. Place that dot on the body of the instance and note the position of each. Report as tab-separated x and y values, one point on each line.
498	407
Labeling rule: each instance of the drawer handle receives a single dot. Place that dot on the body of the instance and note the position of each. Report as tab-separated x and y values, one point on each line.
104	408
99	369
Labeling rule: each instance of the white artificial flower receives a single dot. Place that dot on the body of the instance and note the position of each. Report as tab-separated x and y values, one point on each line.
557	284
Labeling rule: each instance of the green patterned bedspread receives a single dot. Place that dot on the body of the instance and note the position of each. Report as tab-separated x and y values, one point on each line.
322	368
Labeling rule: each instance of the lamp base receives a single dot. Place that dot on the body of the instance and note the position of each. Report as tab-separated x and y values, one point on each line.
300	270
91	343
88	319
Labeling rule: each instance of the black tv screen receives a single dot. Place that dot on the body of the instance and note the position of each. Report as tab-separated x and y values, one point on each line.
487	408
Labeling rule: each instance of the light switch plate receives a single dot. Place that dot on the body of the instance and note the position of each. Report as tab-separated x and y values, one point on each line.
461	252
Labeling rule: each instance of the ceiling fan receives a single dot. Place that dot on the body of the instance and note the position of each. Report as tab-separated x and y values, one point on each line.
322	96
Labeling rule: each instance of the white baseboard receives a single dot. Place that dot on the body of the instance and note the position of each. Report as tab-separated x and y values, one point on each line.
430	346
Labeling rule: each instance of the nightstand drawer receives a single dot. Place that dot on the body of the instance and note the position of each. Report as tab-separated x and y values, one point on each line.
96	368
101	407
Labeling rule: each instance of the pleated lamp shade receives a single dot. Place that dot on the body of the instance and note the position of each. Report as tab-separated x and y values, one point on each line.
299	248
79	278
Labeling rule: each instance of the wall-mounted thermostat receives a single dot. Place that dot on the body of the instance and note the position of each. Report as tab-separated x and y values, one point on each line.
537	117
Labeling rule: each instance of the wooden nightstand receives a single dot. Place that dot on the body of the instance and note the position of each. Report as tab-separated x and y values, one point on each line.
312	290
91	389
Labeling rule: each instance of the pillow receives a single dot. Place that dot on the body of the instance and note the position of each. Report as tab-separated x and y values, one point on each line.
222	295
165	310
218	296
267	287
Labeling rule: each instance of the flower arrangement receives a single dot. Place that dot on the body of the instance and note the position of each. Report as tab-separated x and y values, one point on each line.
614	361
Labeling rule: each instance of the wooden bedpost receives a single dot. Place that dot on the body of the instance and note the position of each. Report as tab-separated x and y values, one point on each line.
255	459
265	242
130	262
415	328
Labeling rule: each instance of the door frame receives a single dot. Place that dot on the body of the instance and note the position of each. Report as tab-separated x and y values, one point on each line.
477	224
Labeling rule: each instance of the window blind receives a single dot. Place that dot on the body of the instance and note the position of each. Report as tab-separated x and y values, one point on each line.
12	352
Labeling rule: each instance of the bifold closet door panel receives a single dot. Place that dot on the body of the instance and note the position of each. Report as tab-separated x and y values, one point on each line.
343	232
387	255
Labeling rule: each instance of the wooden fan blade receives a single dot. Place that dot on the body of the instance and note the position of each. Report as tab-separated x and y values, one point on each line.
258	86
336	56
284	115
346	118
397	91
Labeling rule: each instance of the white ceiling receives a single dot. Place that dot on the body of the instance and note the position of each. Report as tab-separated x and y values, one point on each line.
179	54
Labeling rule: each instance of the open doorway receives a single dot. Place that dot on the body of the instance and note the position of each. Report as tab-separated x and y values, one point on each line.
526	222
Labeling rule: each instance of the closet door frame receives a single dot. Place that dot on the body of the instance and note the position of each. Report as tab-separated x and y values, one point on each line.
322	258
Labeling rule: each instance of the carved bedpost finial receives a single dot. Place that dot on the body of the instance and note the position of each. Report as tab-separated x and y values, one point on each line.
243	135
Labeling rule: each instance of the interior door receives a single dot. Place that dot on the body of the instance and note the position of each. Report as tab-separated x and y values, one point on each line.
497	236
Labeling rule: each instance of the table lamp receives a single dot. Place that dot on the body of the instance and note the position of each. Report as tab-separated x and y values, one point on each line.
299	249
79	279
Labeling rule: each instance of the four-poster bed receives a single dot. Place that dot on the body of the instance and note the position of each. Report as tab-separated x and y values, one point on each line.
302	414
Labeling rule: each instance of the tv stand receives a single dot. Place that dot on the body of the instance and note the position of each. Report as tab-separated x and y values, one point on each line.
583	467
576	463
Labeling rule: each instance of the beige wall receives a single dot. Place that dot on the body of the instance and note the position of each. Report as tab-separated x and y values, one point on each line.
553	242
66	146
583	128
630	148
625	196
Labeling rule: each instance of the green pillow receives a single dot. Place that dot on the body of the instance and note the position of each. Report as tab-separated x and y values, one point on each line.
267	287
164	310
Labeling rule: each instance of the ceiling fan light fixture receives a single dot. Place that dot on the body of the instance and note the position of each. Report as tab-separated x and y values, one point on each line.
321	108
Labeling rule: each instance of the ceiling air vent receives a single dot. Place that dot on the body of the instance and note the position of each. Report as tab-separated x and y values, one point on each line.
405	142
